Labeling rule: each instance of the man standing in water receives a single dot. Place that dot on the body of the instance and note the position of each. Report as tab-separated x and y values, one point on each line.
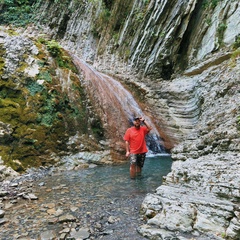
136	147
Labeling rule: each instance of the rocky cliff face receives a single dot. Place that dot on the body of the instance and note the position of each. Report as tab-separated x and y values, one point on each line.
201	194
149	43
42	103
182	59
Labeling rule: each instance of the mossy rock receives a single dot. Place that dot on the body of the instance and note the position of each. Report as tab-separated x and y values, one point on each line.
43	111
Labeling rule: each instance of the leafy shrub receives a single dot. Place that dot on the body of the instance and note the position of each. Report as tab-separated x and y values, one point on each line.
54	48
16	12
237	42
220	32
210	3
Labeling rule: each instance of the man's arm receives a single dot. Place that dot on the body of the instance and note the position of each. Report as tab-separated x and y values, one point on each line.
127	148
146	124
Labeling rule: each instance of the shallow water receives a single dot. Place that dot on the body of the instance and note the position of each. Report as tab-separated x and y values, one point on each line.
92	196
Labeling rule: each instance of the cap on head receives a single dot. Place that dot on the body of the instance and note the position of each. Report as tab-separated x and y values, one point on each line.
136	118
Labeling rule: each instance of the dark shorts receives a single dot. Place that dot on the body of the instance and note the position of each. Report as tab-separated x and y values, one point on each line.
137	159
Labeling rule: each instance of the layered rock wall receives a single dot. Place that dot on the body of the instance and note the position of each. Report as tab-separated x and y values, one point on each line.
182	59
201	194
156	41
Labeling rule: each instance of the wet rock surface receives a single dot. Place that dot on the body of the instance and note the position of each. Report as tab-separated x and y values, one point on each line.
201	194
93	203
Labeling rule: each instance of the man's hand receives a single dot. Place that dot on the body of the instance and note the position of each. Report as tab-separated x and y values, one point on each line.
127	148
141	119
146	124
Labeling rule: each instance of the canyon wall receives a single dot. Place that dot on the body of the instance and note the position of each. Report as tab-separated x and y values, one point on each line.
147	44
42	103
181	60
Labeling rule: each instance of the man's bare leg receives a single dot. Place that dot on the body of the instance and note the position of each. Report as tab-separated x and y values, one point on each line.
135	170
138	170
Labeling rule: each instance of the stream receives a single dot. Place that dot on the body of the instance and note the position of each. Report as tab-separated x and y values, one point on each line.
95	203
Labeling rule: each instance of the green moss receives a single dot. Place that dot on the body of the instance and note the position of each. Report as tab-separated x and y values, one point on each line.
208	21
42	116
46	119
34	87
45	75
220	32
5	152
22	66
235	55
237	42
54	48
9	111
62	58
210	3
2	60
42	39
12	32
7	92
97	128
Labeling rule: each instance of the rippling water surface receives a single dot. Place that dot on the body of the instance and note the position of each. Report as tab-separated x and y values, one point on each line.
114	181
91	195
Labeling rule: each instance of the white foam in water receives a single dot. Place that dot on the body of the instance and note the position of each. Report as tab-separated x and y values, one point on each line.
151	154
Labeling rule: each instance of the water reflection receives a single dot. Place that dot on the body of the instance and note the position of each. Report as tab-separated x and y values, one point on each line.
92	196
114	181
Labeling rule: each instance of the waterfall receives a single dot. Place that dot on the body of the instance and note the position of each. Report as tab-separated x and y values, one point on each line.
115	105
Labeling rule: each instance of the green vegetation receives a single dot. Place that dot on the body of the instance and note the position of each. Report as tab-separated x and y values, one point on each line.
237	42
16	12
102	20
238	122
34	87
208	21
108	4
223	235
57	52
210	3
139	15
22	12
110	20
45	75
2	61
137	19
54	48
42	112
220	32
235	55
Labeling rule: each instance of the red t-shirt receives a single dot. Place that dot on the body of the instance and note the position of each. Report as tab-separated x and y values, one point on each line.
136	139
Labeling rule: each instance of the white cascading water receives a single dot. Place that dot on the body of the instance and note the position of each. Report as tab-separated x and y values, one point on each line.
115	105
